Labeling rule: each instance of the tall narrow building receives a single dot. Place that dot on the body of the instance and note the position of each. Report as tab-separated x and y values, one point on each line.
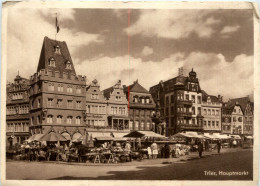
248	114
141	106
211	106
180	103
117	107
57	94
17	111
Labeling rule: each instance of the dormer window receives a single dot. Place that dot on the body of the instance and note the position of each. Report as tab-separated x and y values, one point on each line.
52	62
57	49
68	65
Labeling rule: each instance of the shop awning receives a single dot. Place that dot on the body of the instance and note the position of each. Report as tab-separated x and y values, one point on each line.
188	134
35	137
224	136
101	136
249	137
139	134
235	136
119	136
195	134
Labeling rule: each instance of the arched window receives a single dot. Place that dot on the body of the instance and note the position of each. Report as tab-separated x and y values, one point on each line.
68	65
49	119
78	118
69	119
59	119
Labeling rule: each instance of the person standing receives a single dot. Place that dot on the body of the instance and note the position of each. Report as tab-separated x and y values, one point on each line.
234	143
206	145
154	150
219	146
200	149
149	151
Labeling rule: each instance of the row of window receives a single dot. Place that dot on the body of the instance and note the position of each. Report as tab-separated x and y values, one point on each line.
237	110
237	119
211	112
211	124
95	109
182	109
187	98
52	63
18	110
60	88
100	123
187	122
193	87
118	110
70	103
16	96
59	118
249	119
248	128
17	127
142	100
140	113
140	125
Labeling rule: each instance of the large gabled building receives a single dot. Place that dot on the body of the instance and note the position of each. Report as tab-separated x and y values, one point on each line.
117	107
180	103
211	106
141	107
235	111
57	94
17	111
248	114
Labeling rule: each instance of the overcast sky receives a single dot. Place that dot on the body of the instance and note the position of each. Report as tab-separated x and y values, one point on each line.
217	44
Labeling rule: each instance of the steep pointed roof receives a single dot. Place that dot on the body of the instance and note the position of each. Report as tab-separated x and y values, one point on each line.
60	58
136	87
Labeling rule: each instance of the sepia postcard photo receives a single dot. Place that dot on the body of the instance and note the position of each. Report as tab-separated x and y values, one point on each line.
149	93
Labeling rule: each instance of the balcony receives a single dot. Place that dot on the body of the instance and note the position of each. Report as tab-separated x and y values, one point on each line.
184	114
185	102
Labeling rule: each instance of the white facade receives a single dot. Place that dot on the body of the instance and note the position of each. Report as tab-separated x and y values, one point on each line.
237	120
212	115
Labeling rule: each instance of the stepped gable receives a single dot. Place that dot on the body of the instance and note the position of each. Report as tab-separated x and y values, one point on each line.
241	101
49	51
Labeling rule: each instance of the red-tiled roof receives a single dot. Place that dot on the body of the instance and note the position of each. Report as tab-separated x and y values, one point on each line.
48	51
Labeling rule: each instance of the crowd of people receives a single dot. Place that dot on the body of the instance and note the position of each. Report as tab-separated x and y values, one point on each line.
119	151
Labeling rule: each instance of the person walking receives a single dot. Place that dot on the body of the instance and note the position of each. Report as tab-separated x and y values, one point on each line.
200	149
219	146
